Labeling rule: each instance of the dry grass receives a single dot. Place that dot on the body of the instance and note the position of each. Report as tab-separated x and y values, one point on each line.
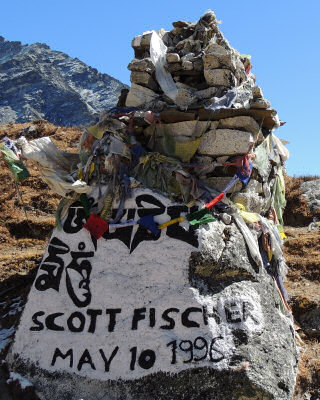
297	212
23	239
308	379
302	253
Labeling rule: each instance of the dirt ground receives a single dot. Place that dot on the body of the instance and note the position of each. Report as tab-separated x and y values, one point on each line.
27	220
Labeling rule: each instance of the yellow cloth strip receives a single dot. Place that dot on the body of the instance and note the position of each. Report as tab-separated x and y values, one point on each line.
97	132
171	222
249	216
91	169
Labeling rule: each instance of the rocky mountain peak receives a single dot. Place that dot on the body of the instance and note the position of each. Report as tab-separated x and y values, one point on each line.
37	82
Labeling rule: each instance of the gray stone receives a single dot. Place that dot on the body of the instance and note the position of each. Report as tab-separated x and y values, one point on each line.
139	96
226	218
206	93
260	103
217	56
189	46
220	182
142	41
219	77
225	142
198	65
187	65
254	186
173	67
203	159
247	124
251	201
188	57
144	65
185	128
222	159
29	131
311	192
185	98
181	85
181	24
257	92
172	57
144	79
236	302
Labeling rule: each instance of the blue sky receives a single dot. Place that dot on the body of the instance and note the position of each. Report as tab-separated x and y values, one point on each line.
282	36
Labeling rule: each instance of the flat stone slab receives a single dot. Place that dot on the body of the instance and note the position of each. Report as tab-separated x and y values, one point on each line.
220	142
245	123
139	95
185	128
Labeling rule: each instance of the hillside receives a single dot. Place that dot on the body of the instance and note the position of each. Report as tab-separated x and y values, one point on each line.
37	82
27	219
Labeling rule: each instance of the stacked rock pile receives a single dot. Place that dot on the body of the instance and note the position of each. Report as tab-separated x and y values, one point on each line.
203	92
192	125
202	64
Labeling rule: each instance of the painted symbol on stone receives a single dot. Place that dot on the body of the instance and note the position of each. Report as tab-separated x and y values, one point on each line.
78	276
125	234
52	265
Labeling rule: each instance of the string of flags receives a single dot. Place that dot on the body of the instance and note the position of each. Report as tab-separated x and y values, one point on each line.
97	226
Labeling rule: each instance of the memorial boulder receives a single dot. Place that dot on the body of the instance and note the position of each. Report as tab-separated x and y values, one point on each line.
163	278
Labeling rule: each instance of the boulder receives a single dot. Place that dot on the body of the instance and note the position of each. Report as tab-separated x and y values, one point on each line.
184	314
144	65
252	202
173	67
311	192
188	57
184	98
198	65
181	24
172	57
260	103
257	92
188	46
144	79
187	65
139	96
206	93
221	142
254	186
247	124
217	56
142	41
219	77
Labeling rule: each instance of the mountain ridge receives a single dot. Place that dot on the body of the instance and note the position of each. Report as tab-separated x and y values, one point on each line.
37	82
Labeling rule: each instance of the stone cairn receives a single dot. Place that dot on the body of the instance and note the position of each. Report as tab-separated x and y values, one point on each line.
195	128
212	95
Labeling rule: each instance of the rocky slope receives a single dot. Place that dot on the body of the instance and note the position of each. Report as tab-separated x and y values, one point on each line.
23	239
37	82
